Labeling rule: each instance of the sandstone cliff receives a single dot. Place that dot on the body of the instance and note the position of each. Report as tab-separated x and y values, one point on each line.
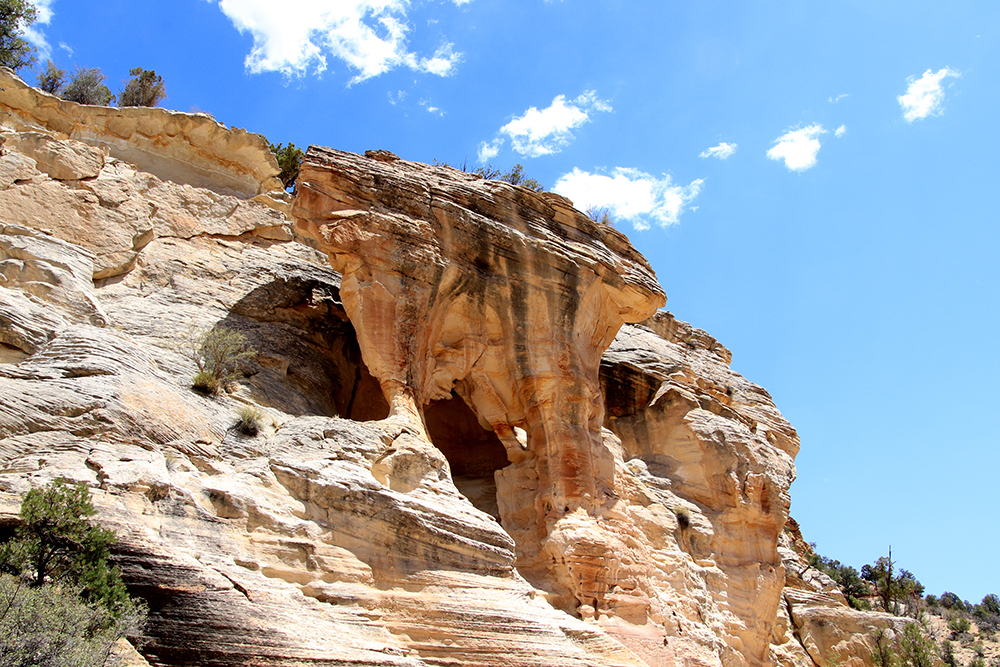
483	444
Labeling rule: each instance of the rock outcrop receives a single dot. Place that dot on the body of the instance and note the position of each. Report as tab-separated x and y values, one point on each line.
186	148
481	443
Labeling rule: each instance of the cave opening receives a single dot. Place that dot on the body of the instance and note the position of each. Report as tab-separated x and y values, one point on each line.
473	452
308	355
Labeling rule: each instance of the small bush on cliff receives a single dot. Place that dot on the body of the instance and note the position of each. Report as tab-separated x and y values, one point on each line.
15	16
893	588
61	602
144	89
289	161
86	86
515	175
601	214
217	352
249	420
52	79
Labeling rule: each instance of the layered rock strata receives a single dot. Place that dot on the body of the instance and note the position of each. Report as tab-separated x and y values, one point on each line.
448	471
186	148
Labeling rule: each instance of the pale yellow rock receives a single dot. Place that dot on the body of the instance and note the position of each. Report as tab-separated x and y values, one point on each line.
64	160
188	148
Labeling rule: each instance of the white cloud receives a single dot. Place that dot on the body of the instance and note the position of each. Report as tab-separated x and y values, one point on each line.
629	194
723	151
834	100
924	96
840	131
443	61
549	130
296	36
489	150
798	148
33	33
431	108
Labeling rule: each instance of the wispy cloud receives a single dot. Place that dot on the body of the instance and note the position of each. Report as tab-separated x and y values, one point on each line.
431	108
545	131
840	131
834	100
296	36
924	96
489	150
798	148
630	194
723	151
33	33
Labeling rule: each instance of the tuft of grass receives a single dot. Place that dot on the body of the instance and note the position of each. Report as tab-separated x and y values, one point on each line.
249	420
206	383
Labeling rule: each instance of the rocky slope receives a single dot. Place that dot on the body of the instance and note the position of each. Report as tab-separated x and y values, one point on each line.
482	442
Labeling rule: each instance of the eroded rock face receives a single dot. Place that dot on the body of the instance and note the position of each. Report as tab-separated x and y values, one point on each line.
448	469
186	148
662	529
497	294
111	208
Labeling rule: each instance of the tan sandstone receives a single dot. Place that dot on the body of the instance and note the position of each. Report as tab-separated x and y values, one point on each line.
186	148
482	444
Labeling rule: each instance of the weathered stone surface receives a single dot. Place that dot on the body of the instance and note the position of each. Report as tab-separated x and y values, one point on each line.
448	470
65	160
186	148
664	529
115	212
240	544
819	628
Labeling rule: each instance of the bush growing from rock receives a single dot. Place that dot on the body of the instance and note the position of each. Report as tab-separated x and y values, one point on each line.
217	352
86	86
289	161
249	420
52	79
144	89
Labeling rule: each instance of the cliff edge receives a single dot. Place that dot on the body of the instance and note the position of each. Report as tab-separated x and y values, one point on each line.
481	442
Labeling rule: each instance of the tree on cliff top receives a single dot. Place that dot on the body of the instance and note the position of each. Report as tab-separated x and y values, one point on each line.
289	161
86	86
15	51
892	588
52	79
144	89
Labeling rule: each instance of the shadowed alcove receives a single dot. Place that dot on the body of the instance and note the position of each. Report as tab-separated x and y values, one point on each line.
474	453
308	357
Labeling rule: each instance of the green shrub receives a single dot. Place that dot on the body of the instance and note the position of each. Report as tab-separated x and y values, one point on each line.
62	603
144	89
915	649
217	353
51	626
959	625
52	79
289	161
86	86
249	420
55	542
948	654
15	16
206	383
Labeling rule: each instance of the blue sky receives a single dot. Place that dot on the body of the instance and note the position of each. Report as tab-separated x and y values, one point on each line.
814	183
